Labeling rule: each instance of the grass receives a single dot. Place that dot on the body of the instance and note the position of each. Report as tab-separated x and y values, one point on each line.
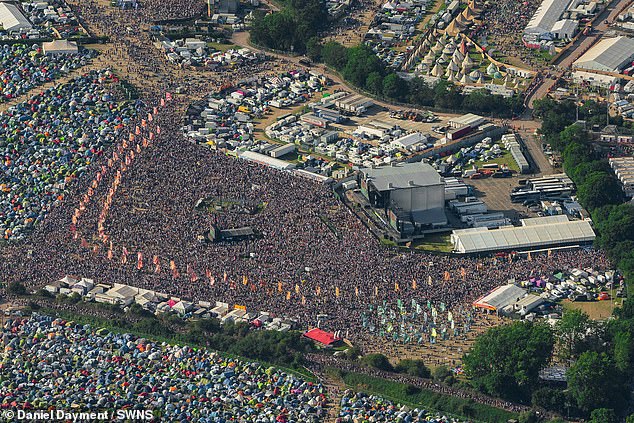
436	242
222	47
505	159
597	310
427	399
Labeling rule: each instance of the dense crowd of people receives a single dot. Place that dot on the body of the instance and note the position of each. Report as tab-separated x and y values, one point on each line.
24	67
49	140
51	363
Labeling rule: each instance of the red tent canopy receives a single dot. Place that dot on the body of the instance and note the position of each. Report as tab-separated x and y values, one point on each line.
321	336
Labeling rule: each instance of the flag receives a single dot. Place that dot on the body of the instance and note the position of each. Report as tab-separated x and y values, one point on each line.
549	252
413	284
463	272
447	275
245	280
318	290
396	287
337	291
149	117
158	130
303	300
210	277
139	260
162	102
529	256
175	274
194	276
168	96
124	255
155	110
288	295
109	254
83	243
297	288
279	286
356	291
224	277
429	280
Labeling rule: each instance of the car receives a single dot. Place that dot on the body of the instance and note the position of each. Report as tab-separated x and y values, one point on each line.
603	296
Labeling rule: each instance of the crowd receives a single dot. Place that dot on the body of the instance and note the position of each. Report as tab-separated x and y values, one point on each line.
23	67
160	11
48	140
500	27
312	257
359	406
60	365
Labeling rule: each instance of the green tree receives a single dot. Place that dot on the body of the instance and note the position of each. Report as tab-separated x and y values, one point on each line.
599	189
413	368
603	415
594	382
313	49
442	374
374	83
334	55
571	329
17	288
394	87
506	360
378	361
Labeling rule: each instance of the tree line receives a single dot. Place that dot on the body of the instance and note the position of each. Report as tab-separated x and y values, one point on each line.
362	68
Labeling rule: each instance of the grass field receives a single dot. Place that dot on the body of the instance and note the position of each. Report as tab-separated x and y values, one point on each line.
440	243
597	310
505	159
222	47
424	398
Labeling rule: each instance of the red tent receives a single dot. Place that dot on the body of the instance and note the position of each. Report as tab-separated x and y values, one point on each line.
321	336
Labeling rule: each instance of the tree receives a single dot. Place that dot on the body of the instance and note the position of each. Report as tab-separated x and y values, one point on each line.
374	83
599	189
594	382
394	87
17	288
313	49
378	361
444	375
334	55
506	360
550	399
413	368
528	417
571	329
603	415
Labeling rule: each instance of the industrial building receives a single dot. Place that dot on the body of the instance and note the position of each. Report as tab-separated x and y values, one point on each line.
470	120
410	142
608	55
509	299
546	23
623	168
412	195
12	19
540	232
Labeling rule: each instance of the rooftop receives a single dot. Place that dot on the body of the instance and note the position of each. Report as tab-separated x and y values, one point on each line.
608	54
402	176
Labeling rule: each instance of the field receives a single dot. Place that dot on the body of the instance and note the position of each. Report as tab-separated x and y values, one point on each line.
436	242
597	310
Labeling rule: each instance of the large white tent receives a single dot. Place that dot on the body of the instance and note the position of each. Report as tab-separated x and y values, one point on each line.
541	233
12	19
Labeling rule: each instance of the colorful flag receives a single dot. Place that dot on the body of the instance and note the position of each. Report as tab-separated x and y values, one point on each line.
337	291
139	260
413	284
279	286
